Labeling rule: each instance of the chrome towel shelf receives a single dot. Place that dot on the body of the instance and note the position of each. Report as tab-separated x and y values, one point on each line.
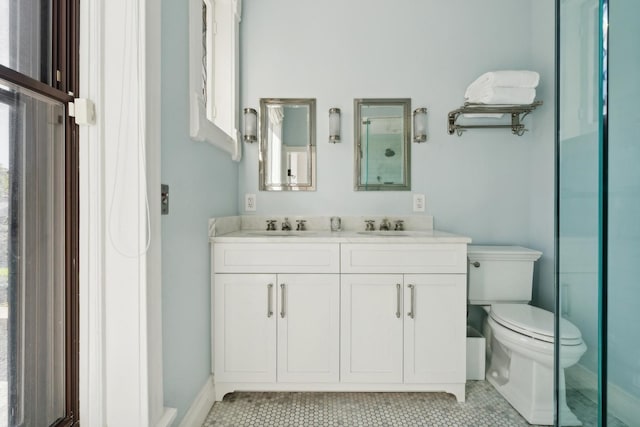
517	112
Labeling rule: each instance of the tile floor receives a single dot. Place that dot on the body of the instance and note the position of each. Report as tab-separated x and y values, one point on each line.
483	407
587	411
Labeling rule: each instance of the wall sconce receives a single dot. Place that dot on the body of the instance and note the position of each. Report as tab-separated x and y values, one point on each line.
420	125
334	125
250	125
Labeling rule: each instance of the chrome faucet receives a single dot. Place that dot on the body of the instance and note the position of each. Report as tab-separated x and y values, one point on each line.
301	225
385	225
399	225
286	226
271	225
369	225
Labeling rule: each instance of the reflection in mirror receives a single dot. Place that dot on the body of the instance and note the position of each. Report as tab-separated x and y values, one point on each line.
287	144
382	149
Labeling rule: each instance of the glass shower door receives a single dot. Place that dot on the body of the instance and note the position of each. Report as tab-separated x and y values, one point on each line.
623	215
599	209
579	201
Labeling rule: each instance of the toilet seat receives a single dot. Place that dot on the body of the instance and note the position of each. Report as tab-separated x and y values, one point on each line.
535	323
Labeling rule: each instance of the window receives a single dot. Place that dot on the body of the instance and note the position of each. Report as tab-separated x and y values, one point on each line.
38	214
213	73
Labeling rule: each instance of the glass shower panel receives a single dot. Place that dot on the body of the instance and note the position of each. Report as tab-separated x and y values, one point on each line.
623	225
578	207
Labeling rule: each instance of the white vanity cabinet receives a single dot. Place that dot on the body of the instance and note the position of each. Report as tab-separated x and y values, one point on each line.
295	316
404	328
371	328
275	315
244	327
435	328
308	328
339	316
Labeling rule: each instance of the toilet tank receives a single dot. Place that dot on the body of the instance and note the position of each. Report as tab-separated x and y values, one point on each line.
500	274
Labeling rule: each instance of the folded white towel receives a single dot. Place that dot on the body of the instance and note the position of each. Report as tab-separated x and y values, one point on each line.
502	95
506	78
483	115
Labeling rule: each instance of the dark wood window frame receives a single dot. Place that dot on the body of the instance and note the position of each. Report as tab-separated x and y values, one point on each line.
65	85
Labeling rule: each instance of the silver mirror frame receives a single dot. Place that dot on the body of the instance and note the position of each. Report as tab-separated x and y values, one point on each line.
406	107
311	148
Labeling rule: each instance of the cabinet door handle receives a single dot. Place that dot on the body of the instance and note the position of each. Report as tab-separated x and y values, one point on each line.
412	308
270	300
398	296
282	300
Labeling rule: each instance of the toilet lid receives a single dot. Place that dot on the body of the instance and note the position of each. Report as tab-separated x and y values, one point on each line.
534	322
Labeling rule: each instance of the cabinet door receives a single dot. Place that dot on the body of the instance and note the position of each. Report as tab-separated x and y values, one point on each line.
435	328
308	327
371	328
244	320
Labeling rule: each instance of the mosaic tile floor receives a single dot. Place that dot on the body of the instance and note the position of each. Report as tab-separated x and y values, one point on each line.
587	411
483	407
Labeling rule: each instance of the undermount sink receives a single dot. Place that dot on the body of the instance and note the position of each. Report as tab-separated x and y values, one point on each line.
386	233
281	233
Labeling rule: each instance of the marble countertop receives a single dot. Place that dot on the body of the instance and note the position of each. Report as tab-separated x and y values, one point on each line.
250	229
258	236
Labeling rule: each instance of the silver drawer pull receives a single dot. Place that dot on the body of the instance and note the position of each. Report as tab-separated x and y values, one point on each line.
476	264
270	300
282	299
412	312
398	296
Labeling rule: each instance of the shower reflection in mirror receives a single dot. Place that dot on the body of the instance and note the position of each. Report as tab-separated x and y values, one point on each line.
382	149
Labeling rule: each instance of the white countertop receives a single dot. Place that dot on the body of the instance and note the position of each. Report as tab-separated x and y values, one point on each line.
259	236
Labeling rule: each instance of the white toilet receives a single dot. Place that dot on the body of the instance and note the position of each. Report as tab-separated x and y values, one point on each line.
520	337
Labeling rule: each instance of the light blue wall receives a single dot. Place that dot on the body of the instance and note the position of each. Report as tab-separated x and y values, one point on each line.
542	154
487	184
203	184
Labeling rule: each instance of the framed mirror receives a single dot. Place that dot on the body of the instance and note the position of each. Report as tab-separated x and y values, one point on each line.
287	144
382	144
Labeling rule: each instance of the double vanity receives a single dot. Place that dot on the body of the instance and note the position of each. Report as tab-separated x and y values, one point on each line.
337	311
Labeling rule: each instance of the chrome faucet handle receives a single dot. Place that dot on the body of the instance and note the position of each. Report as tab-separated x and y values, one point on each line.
385	224
399	225
369	225
271	225
301	224
286	226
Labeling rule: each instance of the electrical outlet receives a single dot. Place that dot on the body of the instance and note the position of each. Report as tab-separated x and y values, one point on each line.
418	202
250	202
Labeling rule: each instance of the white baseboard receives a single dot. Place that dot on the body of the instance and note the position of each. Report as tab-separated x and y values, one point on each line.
201	406
621	404
168	417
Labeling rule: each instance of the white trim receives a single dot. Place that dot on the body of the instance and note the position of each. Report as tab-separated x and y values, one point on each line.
120	318
91	265
123	114
199	409
152	48
620	404
217	121
168	417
